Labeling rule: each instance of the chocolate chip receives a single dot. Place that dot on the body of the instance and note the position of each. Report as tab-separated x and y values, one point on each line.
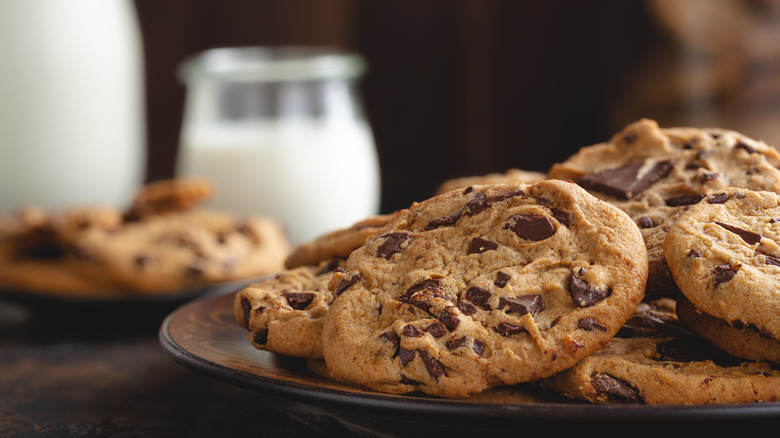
246	307
773	220
421	294
585	295
298	300
466	308
457	343
748	236
590	324
344	284
478	296
719	198
330	266
742	145
507	329
407	381
434	367
630	137
445	221
723	274
405	356
680	201
616	389
694	253
391	245
468	190
531	227
523	304
624	182
142	260
480	203
479	245
391	337
771	260
436	329
645	222
708	177
501	279
260	337
478	347
411	331
449	318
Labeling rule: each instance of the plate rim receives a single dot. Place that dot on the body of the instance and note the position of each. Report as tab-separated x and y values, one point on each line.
428	406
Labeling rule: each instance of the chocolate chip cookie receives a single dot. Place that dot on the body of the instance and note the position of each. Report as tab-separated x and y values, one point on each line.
180	250
285	312
510	175
724	253
337	243
663	363
654	174
491	285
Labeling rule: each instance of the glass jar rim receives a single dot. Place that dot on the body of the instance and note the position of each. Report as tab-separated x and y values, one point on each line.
273	64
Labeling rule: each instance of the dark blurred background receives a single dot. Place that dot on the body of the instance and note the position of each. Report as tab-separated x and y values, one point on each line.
467	87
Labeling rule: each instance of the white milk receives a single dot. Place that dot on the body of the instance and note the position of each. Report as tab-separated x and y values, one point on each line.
71	103
314	177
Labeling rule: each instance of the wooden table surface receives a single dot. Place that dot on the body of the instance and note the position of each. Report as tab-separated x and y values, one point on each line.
102	372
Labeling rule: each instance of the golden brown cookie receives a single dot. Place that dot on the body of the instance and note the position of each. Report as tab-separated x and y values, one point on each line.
511	175
285	312
493	285
169	195
654	174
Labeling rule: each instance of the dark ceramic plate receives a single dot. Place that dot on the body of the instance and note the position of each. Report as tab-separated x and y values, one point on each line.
204	336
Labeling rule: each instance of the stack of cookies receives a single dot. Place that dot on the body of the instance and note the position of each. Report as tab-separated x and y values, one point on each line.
640	270
163	243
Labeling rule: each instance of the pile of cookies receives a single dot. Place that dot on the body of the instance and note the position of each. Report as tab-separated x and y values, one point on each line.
640	270
164	243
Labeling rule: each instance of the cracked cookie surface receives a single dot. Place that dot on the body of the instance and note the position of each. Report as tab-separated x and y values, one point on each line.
491	285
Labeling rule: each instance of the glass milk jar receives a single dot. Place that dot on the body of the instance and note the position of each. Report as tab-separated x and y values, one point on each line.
281	132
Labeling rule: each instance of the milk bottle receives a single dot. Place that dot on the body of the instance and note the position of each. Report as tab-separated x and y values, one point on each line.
280	132
71	103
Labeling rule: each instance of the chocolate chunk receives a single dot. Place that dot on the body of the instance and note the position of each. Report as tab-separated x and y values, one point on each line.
692	349
478	296
723	274
457	343
590	324
480	203
695	253
680	201
479	245
748	236
501	279
260	337
449	318
468	190
407	381
718	198
645	222
709	177
562	217
630	137
585	295
615	389
391	337
298	300
507	329
742	145
445	221
466	308
421	294
411	331
142	260
531	227
434	367
405	356
771	260
523	304
624	182
391	245
436	329
478	347
246	307
344	284
331	266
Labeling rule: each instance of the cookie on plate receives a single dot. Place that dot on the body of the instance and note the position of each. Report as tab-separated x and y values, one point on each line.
654	174
181	250
510	175
724	254
285	312
491	285
665	365
336	243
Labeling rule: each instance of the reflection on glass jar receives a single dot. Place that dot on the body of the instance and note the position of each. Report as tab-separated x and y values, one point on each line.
281	132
